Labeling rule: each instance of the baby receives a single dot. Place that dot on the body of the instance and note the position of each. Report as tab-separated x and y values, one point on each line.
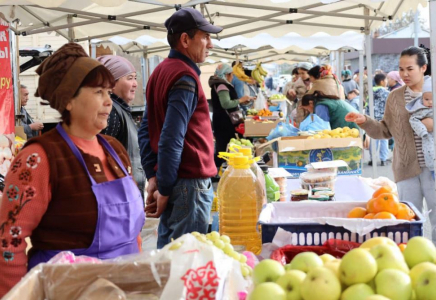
421	108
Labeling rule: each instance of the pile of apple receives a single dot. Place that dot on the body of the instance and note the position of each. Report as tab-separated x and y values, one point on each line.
240	142
345	132
377	270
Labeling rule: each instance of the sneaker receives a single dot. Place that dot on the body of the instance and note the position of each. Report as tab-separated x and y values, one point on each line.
370	163
384	163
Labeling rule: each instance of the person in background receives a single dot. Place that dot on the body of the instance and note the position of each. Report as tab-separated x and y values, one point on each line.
347	82
380	97
414	180
314	74
295	74
353	99
327	86
120	123
224	101
268	82
175	136
238	84
365	83
251	89
31	128
394	81
70	189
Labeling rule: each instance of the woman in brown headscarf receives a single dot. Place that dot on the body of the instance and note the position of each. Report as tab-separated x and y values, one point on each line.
71	188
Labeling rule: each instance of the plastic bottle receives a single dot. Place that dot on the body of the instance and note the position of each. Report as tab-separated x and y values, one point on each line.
272	188
255	168
240	204
229	158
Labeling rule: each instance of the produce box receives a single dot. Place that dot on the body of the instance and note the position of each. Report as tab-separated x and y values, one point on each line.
255	128
294	153
312	223
71	281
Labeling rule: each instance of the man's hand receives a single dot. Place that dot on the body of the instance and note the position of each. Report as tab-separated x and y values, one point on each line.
292	93
36	126
428	122
155	209
355	117
151	188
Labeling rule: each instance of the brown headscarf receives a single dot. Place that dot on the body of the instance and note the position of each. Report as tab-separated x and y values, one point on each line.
61	75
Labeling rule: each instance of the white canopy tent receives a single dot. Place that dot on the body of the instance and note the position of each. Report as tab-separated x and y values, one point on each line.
79	20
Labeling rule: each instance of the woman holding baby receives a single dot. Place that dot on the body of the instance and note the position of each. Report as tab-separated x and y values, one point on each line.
413	177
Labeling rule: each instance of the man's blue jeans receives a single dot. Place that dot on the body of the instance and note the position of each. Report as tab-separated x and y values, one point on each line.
188	210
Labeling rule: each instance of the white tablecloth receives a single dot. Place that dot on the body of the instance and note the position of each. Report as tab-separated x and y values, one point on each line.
347	188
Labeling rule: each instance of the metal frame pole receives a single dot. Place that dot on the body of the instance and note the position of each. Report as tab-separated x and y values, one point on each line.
432	6
368	45
416	28
13	39
145	75
361	93
93	50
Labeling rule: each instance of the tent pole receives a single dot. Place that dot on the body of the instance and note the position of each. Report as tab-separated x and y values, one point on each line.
42	20
368	44
93	50
361	93
432	6
15	69
416	28
109	34
144	69
71	33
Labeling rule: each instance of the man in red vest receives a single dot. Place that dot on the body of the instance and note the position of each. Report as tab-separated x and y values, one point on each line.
175	136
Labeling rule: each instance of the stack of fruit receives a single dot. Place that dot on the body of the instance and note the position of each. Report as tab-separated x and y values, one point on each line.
238	71
337	133
223	243
277	97
240	142
383	205
252	112
377	270
264	113
258	73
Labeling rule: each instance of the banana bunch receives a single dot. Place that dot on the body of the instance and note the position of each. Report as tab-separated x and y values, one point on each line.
258	73
239	72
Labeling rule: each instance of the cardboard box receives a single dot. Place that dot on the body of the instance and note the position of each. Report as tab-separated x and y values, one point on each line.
19	131
69	281
259	129
294	153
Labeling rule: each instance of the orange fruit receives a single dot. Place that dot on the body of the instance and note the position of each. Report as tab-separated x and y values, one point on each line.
357	212
387	203
383	190
405	212
402	247
384	215
369	216
370	205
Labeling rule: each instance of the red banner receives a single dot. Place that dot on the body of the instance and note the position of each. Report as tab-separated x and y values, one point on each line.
7	117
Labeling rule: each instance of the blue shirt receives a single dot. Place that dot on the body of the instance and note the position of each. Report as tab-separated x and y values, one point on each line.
239	86
182	102
322	111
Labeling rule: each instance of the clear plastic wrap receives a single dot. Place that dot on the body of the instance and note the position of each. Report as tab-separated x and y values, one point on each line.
182	269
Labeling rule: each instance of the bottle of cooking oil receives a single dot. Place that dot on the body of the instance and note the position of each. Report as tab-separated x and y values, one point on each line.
240	204
229	159
255	168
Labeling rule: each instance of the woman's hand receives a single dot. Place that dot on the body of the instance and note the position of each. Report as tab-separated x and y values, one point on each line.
355	117
245	99
428	122
366	142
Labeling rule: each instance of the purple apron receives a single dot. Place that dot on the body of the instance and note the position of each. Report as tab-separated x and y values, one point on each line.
120	213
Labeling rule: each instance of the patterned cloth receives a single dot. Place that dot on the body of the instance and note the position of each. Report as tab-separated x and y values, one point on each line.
380	96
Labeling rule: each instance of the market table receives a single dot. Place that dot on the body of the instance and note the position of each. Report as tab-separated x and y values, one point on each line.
347	188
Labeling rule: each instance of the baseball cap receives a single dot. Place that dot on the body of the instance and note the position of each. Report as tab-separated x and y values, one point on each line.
189	18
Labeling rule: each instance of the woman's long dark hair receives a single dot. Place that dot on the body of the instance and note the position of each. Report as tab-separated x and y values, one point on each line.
309	97
315	72
422	56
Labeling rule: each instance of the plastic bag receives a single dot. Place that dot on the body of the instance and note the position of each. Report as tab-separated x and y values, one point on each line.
314	123
282	129
260	102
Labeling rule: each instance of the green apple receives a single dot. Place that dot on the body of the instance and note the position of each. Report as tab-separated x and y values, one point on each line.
327	257
357	292
394	284
377	241
333	266
305	261
389	257
418	269
320	283
291	282
418	250
357	266
267	270
425	287
268	290
376	297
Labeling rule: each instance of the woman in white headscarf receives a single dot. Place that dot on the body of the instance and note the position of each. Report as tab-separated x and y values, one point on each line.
224	101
